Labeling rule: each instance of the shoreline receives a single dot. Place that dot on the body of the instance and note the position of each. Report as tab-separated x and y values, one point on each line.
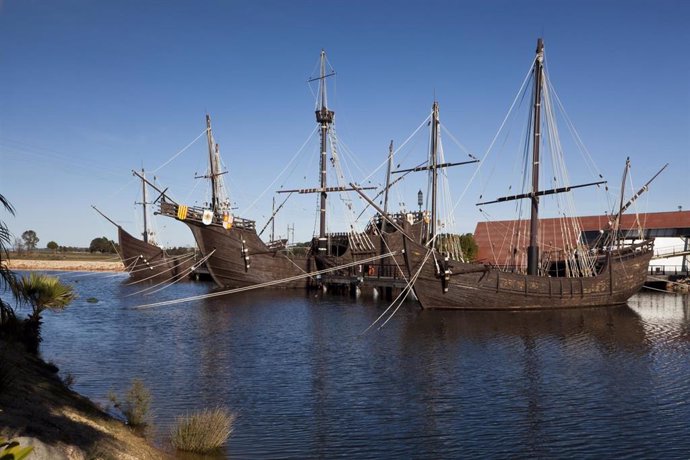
37	408
65	265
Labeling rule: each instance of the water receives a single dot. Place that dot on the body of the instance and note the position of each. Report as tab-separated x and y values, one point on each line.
305	382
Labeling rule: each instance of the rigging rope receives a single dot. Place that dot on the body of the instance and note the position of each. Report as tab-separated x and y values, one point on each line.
493	141
151	267
180	276
262	285
180	152
283	170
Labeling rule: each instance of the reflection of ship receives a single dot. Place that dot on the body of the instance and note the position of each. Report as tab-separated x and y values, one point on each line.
605	275
235	255
617	324
144	260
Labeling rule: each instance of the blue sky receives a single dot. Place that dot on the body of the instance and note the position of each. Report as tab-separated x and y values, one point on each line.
91	90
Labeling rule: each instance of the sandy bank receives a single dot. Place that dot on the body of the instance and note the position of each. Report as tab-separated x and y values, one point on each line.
65	265
36	406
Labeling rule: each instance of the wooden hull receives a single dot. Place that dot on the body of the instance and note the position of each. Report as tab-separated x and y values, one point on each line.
471	286
226	260
388	267
146	261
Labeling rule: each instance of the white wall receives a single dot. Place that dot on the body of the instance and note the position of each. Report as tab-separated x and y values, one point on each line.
662	245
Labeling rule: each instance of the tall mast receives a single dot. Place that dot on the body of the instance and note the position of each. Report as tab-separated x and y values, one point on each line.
388	179
620	208
213	174
143	204
273	220
434	168
324	117
533	249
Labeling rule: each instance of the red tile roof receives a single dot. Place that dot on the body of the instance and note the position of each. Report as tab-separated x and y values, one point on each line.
494	238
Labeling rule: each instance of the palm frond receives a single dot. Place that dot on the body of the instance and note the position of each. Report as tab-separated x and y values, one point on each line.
44	291
6	204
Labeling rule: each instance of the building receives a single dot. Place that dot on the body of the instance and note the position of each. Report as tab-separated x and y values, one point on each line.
504	242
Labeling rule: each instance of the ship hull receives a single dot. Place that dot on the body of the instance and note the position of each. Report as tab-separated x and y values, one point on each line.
470	286
226	263
145	261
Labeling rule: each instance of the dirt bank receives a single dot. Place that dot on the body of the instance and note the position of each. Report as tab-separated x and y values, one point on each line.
65	265
35	404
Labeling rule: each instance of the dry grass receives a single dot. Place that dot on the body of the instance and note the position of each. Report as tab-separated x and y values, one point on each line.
136	404
202	431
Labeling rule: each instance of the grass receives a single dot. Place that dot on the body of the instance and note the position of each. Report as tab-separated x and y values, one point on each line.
47	255
136	404
202	431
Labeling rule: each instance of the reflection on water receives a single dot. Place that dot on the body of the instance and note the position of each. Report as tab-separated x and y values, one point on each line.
432	384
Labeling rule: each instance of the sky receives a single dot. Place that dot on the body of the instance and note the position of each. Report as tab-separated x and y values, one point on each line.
91	90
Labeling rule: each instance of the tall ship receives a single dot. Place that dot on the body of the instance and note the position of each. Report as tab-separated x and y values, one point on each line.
603	274
330	250
234	254
142	258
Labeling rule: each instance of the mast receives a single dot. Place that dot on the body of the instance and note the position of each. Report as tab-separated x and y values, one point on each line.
143	204
273	220
620	208
212	164
533	248
434	169
324	117
388	182
219	199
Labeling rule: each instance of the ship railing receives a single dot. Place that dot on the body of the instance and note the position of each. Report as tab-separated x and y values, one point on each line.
196	213
399	218
676	270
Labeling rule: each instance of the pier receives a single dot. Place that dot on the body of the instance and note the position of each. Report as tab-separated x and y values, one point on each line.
387	279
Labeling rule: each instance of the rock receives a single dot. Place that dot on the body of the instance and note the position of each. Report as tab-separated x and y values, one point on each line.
44	451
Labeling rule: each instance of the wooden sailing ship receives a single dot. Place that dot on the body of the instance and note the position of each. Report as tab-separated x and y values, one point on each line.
607	274
330	250
143	259
234	254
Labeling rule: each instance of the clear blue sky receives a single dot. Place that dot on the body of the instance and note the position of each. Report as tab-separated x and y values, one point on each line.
90	90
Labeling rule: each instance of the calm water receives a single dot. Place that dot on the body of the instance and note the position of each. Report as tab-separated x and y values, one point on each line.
306	383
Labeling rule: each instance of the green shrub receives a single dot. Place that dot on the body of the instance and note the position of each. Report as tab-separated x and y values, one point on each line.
202	431
135	407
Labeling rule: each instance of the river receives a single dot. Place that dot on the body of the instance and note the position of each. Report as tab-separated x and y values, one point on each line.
306	381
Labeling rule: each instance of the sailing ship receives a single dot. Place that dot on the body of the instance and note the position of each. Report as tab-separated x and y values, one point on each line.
234	254
142	258
332	249
606	274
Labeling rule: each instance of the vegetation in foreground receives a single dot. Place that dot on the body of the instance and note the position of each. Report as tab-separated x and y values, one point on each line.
135	405
203	431
34	402
42	292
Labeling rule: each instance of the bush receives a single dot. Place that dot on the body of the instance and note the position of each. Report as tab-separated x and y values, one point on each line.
202	431
135	407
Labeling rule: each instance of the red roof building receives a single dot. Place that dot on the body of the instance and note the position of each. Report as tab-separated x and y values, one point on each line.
496	240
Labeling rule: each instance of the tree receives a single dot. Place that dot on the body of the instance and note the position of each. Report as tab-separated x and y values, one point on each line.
7	278
30	240
42	292
448	242
469	246
102	245
53	246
